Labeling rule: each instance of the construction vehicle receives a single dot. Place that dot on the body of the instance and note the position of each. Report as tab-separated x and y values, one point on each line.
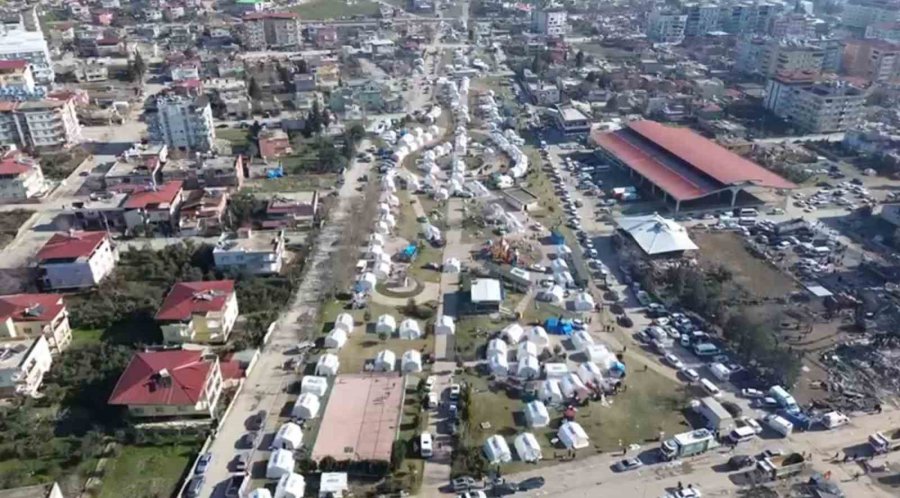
781	466
885	441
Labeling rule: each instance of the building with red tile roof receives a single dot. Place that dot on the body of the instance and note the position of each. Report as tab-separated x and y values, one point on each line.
178	383
198	312
32	315
681	164
21	177
154	206
75	260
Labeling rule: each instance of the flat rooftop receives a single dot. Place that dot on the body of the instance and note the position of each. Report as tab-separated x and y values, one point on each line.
256	241
362	417
572	114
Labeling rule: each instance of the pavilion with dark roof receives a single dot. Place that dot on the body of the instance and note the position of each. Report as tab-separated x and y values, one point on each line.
681	164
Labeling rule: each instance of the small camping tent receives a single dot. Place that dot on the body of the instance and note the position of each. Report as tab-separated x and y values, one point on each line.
555	370
411	362
496	450
572	436
281	462
526	348
328	364
550	392
306	407
513	333
288	437
536	414
497	346
386	324
444	325
336	339
527	447
385	361
366	282
344	322
554	295
590	373
314	384
583	302
409	329
528	367
292	486
601	356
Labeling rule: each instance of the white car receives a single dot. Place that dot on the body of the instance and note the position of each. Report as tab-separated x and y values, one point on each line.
751	393
429	382
690	374
673	360
538	268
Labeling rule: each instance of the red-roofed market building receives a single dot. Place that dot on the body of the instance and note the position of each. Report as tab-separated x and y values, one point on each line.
75	260
198	312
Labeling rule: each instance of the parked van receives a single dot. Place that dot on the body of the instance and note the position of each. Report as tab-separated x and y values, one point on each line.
425	445
720	371
742	434
710	388
748	213
705	349
779	424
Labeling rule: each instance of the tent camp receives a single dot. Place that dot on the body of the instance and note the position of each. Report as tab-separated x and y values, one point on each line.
554	295
336	339
590	373
526	348
314	384
306	407
444	325
528	367
581	339
281	462
539	337
496	450
583	302
411	362
290	486
572	436
656	235
558	326
497	346
374	250
571	385
333	484
288	437
382	269
452	265
385	361
376	238
513	333
555	370
601	356
382	228
564	279
386	324
260	493
550	392
409	329
536	414
559	265
328	364
527	447
366	282
344	322
498	364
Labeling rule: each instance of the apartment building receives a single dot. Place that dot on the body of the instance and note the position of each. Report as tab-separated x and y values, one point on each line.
887	31
874	60
36	124
550	22
815	106
701	19
202	212
861	14
18	42
21	177
250	252
206	172
32	315
16	77
182	122
230	95
179	383
139	165
770	56
198	312
666	26
23	365
272	30
75	260
748	18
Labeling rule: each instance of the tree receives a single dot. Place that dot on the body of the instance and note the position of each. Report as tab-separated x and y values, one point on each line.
253	89
538	64
579	59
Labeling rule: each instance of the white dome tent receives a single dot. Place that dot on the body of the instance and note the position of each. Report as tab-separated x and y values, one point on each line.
385	361
550	392
374	250
536	414
538	336
559	265
584	302
554	295
496	450
452	265
444	325
528	367
344	321
572	436
376	239
409	329
288	437
513	333
526	348
590	373
498	364
411	362
336	339
306	407
328	364
601	356
281	462
386	324
382	270
314	384
528	448
555	370
367	282
581	339
291	485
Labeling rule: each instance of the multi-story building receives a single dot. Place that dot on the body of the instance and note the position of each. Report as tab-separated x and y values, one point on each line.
250	252
815	107
206	172
666	26
550	22
21	177
75	260
181	383
154	208
202	212
874	60
35	124
183	122
139	165
198	312
23	365
887	31
768	57
542	92
861	14
230	96
16	76
748	18
18	42
272	30
33	315
701	19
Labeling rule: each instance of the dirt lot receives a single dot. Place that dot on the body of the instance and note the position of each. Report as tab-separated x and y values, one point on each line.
753	274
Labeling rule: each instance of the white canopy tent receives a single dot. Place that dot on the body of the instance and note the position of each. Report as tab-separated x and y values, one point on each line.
498	364
344	321
528	367
538	336
385	361
367	282
288	437
554	295
573	436
559	265
328	364
590	373
550	392
444	325
656	235
314	384
584	302
528	448
513	333
411	362
536	414
306	406
496	450
336	339
386	324
281	462
409	329
601	356
290	486
376	238
526	348
381	269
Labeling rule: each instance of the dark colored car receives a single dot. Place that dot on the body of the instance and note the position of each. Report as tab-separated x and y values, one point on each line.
233	489
504	489
192	490
260	420
739	462
531	483
203	463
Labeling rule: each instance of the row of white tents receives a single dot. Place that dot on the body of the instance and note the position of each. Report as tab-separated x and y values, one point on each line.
290	485
386	361
528	449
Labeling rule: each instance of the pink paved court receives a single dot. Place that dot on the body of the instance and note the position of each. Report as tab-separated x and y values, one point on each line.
362	417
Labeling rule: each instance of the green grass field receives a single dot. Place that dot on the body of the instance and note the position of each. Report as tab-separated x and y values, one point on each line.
333	9
147	471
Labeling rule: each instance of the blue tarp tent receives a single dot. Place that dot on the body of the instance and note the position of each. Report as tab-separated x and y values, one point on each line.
558	327
557	238
618	368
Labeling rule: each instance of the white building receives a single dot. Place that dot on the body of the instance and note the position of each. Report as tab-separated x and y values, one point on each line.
76	260
701	19
46	123
19	43
823	107
23	365
249	251
183	122
550	22
21	177
664	26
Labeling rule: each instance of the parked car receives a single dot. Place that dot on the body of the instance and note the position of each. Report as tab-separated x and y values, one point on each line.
233	488
454	391
429	382
463	483
531	483
192	490
673	360
690	374
751	393
627	464
203	463
240	462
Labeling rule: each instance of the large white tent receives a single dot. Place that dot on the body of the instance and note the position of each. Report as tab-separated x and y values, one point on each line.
291	485
528	367
583	302
581	339
526	348
386	324
536	414
288	437
571	385
411	362
336	339
590	373
601	356
513	333
498	364
314	384
497	346
328	364
496	450
527	447
573	436
539	337
452	265
344	322
444	325
367	282
385	361
656	235
555	370
559	265
550	392
281	462
409	329
554	295
306	406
